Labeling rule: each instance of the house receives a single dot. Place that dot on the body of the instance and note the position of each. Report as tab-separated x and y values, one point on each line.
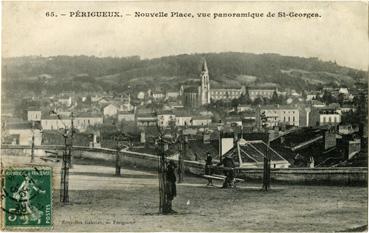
344	91
261	92
84	120
165	118
146	119
317	104
24	132
158	95
141	95
65	101
126	116
111	110
33	115
324	116
329	117
172	94
183	118
201	120
275	115
347	129
233	120
52	122
227	93
243	108
347	108
175	104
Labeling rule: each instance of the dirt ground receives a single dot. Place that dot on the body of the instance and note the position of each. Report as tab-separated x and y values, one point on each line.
99	201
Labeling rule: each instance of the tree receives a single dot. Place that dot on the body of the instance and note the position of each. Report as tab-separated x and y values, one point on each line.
235	103
275	98
327	97
258	101
340	98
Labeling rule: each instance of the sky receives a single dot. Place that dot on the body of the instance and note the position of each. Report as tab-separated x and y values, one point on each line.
340	34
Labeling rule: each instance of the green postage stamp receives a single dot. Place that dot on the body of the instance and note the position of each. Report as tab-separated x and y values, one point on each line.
26	197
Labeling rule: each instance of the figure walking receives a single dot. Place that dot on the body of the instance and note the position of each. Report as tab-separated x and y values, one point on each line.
228	166
208	168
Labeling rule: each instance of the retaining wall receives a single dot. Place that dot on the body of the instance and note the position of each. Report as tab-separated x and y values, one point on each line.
308	176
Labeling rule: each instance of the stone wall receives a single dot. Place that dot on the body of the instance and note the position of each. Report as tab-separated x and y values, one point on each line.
306	176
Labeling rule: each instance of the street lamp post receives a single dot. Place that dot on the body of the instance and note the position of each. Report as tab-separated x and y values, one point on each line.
33	143
266	173
182	154
220	130
64	181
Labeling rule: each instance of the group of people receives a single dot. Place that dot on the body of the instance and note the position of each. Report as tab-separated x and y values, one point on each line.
228	169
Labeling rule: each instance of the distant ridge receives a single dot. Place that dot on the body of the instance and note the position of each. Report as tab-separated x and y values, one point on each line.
89	73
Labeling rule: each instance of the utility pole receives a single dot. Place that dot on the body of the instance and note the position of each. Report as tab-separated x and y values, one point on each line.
266	173
220	129
117	156
71	141
182	155
33	143
64	181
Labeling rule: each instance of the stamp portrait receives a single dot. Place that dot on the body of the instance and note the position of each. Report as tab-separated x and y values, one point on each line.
27	197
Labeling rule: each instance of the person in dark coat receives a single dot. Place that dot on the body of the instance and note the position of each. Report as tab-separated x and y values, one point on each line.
171	183
208	168
228	165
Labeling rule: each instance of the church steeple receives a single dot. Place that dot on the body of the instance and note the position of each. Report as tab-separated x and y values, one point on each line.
205	84
204	66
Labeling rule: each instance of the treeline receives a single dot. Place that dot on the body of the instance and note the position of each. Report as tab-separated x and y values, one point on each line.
72	72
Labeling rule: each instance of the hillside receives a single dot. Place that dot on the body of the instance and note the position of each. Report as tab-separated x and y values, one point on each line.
84	73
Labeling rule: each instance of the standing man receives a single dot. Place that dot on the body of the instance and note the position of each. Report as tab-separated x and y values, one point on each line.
171	184
228	165
208	168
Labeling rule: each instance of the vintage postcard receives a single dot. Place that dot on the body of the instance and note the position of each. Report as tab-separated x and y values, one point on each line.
184	116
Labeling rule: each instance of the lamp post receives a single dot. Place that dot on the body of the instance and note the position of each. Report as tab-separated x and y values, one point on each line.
266	173
220	130
33	143
182	154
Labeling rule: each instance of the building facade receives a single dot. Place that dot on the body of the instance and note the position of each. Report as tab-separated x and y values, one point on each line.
276	115
33	115
264	93
227	93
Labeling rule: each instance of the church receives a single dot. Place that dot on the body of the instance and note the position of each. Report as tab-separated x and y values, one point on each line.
197	96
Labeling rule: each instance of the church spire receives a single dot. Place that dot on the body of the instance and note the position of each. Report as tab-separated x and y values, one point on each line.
204	66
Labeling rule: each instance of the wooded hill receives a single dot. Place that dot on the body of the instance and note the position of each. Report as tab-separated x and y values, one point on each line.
89	73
